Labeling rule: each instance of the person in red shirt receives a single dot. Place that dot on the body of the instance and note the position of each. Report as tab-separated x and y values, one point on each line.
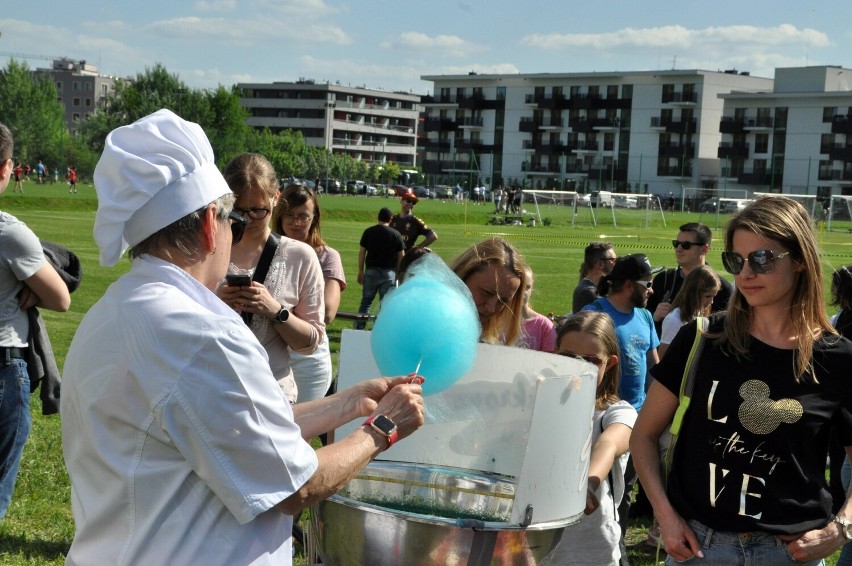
72	180
19	173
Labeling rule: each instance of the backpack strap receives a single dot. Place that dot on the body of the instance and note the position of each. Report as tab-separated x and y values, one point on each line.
263	264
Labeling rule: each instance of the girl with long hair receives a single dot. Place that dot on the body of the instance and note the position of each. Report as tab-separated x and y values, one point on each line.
747	479
590	336
694	299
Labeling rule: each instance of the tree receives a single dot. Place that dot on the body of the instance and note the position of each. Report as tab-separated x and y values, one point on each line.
30	108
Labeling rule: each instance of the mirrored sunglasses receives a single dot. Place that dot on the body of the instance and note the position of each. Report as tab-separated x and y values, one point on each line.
253	213
646	284
760	261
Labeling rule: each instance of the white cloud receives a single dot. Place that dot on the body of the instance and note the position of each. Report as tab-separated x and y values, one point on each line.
247	32
681	37
311	9
215	5
443	45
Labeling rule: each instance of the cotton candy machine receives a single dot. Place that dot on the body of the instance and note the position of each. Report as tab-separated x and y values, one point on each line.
493	477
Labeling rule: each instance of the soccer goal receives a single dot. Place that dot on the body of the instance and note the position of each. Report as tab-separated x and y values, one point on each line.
839	214
596	209
808	201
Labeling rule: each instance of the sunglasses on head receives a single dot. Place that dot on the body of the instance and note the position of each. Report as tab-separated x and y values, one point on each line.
760	261
685	244
238	227
594	360
646	284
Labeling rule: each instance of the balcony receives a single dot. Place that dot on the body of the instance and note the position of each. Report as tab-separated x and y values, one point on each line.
580	101
533	168
676	150
730	125
680	98
440	99
434	166
471	123
760	177
553	124
556	102
674	126
477	146
435	145
606	124
841	125
557	148
839	152
532	98
834	175
584	125
759	123
674	171
528	125
587	147
733	150
439	125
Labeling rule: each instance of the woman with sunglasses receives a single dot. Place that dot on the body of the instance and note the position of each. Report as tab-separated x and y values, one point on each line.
747	480
287	309
297	216
590	336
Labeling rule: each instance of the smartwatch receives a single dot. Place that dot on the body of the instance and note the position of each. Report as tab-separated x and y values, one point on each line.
384	426
282	316
845	527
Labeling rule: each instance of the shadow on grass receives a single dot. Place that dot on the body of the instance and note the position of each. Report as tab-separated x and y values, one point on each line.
35	550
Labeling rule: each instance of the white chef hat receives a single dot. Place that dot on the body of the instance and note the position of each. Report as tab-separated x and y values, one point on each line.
151	173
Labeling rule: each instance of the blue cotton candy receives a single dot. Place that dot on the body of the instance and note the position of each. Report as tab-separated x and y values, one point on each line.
430	320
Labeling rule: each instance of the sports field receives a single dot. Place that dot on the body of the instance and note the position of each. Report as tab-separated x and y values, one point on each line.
39	528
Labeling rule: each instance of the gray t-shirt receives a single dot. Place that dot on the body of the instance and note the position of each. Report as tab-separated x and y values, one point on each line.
584	293
21	256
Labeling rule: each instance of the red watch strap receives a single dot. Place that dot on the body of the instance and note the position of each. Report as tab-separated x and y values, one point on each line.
392	438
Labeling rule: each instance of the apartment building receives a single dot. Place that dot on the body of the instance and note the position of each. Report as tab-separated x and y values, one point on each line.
80	88
795	139
367	124
648	131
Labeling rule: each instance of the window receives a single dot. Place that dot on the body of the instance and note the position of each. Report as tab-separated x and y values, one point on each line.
612	91
501	93
594	91
75	117
627	92
59	85
761	143
89	87
828	114
668	92
76	86
88	102
75	102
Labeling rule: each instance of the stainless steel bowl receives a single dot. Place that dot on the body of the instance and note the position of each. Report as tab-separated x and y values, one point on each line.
413	514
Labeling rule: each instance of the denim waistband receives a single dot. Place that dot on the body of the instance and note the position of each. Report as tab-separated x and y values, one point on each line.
7	353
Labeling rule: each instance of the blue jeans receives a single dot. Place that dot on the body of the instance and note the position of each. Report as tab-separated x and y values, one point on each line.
722	548
15	421
375	281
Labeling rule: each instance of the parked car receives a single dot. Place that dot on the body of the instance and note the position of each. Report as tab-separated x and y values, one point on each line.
331	186
621	201
371	190
423	192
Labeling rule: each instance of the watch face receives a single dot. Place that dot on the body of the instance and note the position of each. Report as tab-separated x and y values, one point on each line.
384	425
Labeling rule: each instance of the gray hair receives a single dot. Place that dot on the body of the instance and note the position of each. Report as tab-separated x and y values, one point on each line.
181	236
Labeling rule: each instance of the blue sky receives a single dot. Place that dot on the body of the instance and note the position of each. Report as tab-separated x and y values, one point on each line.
390	45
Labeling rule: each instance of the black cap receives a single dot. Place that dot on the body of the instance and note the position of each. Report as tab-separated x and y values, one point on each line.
632	268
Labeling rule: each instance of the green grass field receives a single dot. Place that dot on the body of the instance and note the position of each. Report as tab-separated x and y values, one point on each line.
38	528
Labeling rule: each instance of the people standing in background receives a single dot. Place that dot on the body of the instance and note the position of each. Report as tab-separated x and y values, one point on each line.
72	180
495	273
694	299
598	261
595	539
691	248
379	257
298	217
539	333
410	226
497	198
19	174
27	280
40	172
285	309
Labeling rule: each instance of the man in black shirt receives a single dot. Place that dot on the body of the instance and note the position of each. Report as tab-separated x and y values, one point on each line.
691	248
378	260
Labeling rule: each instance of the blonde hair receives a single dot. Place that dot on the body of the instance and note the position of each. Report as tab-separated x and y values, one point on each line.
598	325
248	171
700	280
505	326
787	222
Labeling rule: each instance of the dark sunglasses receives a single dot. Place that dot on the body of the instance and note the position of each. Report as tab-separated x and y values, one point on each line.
594	360
253	213
238	227
685	245
760	261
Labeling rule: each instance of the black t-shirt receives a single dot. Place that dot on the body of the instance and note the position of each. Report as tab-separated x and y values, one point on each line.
667	284
752	448
383	244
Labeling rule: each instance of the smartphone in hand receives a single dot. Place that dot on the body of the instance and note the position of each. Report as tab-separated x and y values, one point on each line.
235	280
